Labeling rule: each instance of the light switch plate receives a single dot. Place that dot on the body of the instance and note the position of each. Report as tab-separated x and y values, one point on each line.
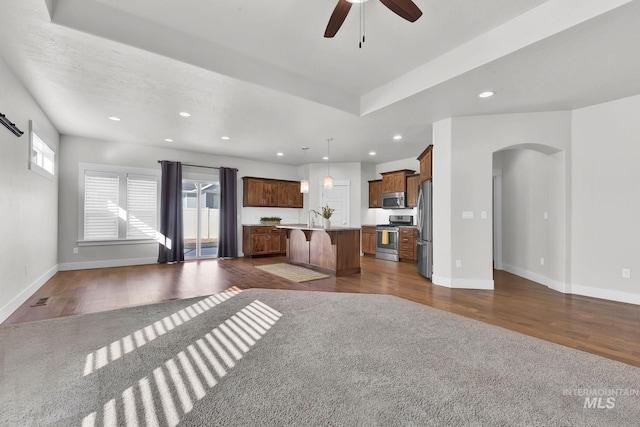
626	273
483	214
467	214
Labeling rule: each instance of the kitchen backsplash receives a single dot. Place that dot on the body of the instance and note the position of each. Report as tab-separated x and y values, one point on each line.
252	215
382	215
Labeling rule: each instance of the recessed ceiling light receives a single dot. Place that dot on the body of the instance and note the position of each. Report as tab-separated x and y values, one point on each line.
372	153
168	139
226	138
114	118
280	154
486	94
184	114
397	137
325	158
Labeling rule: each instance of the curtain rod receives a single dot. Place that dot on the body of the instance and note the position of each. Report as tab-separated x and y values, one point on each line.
199	166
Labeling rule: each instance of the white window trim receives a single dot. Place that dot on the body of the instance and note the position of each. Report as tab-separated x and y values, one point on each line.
122	171
34	167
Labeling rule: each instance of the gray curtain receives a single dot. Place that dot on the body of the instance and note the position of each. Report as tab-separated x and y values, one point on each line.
172	244
227	238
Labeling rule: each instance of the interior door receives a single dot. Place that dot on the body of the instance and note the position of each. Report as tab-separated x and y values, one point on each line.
338	199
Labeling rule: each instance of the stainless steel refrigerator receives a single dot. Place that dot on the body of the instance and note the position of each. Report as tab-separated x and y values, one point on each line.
425	229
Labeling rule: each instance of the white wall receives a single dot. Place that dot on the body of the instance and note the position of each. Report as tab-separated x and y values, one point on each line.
77	149
466	145
606	200
29	202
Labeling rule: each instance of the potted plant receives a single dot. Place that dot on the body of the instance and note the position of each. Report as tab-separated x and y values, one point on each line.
270	220
325	213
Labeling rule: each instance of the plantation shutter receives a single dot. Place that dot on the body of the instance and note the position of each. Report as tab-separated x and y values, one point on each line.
101	202
142	195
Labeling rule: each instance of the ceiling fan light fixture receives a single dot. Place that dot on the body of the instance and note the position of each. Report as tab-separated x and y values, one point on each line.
406	9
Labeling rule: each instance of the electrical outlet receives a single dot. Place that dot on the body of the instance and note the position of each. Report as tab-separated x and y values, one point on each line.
75	250
483	214
541	261
626	273
458	263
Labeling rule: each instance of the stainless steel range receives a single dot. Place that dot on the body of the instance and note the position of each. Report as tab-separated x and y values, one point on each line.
387	237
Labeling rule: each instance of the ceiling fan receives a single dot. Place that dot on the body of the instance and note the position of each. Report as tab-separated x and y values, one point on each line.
406	9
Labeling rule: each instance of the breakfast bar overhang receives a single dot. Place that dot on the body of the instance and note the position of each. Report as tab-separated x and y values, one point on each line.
334	250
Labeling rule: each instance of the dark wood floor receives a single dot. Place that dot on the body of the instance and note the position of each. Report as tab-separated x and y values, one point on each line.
607	328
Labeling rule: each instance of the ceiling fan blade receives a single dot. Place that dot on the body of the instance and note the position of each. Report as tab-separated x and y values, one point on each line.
404	8
337	18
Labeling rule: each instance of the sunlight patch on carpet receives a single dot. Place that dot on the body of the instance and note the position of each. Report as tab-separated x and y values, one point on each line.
172	389
292	272
114	351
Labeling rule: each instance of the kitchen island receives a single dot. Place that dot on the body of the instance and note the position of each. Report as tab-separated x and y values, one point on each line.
334	251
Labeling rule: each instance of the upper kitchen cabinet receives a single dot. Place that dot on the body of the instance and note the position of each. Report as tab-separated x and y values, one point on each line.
396	181
426	162
264	192
413	182
375	194
289	195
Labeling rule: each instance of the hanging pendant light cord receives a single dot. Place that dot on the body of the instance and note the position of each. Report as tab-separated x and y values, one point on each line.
362	25
328	160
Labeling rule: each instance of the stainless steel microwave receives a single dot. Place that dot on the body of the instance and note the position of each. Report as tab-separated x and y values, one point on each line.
393	200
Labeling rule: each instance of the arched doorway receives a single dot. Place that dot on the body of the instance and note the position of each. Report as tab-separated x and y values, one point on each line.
529	212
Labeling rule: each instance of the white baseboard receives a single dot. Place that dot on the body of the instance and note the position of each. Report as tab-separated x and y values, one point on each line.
567	288
19	299
529	275
106	263
462	283
607	294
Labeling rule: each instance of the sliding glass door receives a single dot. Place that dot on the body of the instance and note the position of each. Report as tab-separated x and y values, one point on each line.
201	216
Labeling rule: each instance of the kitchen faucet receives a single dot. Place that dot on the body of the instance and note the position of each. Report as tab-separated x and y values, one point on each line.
311	220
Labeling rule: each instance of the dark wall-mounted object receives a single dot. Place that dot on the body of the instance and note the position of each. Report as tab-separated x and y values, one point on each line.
11	126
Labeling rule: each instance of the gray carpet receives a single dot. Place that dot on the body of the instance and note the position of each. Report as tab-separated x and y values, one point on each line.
329	359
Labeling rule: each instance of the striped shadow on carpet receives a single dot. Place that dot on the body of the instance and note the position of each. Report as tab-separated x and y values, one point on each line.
292	272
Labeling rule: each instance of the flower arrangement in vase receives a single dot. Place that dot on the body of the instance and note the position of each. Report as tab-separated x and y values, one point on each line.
325	213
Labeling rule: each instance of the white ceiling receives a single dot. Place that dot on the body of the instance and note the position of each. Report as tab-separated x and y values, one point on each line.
261	72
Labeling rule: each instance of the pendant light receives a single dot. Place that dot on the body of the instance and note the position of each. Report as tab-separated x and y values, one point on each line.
328	180
304	184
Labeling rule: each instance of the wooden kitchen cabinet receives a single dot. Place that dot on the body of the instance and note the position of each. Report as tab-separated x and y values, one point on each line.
407	244
259	192
426	163
375	194
369	239
413	182
265	192
262	240
289	195
395	181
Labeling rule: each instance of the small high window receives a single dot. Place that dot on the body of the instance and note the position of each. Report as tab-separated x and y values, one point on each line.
42	158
